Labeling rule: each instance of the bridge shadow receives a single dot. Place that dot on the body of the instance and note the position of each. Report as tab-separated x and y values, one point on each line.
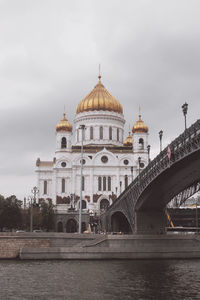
119	223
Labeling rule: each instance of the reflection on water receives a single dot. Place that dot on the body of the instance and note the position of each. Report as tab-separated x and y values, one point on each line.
141	279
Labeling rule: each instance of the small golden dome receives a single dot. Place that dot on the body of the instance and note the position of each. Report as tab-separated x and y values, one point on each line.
140	126
64	125
129	140
99	99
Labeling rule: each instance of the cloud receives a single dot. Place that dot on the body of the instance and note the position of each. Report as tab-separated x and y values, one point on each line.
49	56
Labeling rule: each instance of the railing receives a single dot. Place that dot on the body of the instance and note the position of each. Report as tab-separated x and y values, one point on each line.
187	142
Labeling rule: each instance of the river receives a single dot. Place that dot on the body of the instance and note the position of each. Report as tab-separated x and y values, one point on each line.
106	280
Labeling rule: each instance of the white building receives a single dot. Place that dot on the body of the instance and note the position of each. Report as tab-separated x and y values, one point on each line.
109	163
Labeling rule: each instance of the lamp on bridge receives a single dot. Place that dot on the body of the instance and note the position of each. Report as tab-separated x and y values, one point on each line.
139	161
160	136
148	150
185	109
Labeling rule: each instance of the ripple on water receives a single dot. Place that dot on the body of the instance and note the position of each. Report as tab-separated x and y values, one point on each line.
141	279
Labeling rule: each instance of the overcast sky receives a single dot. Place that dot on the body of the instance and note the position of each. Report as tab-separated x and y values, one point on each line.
50	50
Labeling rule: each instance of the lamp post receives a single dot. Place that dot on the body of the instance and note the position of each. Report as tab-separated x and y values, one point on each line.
31	214
160	136
139	161
34	191
82	127
148	150
185	109
132	173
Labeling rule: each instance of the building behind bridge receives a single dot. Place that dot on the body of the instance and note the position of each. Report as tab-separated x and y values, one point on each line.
110	162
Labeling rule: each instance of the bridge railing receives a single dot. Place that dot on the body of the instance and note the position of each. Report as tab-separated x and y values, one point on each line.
184	144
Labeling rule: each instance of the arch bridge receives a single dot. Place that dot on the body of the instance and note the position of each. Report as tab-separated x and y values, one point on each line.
173	174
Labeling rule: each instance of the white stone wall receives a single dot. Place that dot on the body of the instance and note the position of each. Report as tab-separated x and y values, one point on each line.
96	120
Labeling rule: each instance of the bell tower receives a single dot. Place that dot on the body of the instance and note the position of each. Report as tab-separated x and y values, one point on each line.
63	135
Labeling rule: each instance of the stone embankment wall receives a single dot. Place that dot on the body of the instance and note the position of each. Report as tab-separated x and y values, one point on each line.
10	246
11	243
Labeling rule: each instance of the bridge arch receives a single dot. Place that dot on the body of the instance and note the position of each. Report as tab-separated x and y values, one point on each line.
119	223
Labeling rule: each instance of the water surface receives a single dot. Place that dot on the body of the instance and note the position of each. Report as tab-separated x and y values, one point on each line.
140	279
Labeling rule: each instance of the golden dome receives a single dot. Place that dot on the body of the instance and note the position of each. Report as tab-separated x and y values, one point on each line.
129	140
140	126
64	125
99	99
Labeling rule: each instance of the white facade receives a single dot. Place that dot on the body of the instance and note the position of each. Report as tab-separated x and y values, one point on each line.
108	165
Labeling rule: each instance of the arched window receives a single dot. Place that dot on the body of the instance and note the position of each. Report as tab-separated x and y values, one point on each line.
91	133
141	143
63	143
45	187
99	184
110	133
126	181
109	183
83	183
118	134
101	133
63	185
84	204
104	183
104	204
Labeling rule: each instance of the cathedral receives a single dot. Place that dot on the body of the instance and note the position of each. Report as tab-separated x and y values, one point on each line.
92	159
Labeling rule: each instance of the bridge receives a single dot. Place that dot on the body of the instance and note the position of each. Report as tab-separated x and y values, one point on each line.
173	175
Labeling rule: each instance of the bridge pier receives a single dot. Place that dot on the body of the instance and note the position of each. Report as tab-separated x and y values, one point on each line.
150	222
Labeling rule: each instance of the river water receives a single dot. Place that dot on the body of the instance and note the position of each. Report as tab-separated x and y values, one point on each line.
139	279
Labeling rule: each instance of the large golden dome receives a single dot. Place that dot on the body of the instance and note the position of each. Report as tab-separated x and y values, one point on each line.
99	99
140	126
64	125
129	140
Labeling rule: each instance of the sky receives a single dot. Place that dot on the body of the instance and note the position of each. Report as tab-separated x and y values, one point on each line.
50	51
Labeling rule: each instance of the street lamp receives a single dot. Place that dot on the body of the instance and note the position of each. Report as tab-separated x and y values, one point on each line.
160	136
82	127
132	173
31	213
139	161
185	109
34	191
148	150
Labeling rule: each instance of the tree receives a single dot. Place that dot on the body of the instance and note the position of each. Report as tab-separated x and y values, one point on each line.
10	212
47	213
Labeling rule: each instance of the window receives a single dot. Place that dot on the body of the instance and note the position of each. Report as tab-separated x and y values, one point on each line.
63	185
83	183
63	164
104	183
126	181
91	133
45	187
141	143
104	159
126	162
110	133
109	183
99	183
118	134
63	143
101	133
